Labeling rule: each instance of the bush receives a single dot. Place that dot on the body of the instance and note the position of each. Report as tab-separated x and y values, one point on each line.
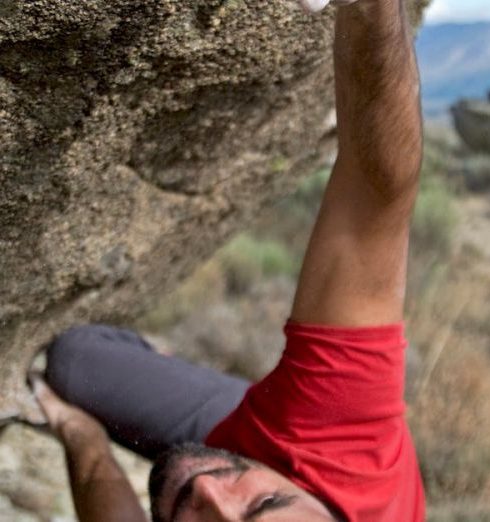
246	260
311	190
204	286
299	210
435	217
450	424
469	511
475	170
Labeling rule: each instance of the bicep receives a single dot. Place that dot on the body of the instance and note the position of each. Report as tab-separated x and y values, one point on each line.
354	270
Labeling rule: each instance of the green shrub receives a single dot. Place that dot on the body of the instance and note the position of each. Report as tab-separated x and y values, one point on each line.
247	259
463	511
454	467
475	170
434	218
294	216
204	286
306	201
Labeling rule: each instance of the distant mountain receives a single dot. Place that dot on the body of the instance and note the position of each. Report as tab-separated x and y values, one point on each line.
454	61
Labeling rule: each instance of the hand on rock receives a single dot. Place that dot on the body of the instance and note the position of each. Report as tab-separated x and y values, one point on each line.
66	421
313	6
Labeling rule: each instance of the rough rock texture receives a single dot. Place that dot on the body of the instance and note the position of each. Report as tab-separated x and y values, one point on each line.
33	478
136	136
472	121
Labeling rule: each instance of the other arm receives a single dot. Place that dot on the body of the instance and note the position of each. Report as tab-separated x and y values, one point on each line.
354	272
101	491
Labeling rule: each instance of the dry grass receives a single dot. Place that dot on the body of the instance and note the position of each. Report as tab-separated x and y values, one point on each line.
450	401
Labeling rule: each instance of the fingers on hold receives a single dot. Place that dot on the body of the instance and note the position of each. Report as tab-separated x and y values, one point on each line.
313	6
37	384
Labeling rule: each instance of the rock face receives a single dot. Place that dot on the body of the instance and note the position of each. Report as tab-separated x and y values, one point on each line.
136	136
472	121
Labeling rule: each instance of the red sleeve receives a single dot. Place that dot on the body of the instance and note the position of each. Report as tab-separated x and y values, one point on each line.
331	418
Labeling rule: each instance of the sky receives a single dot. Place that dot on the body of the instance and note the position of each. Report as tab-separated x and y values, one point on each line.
458	11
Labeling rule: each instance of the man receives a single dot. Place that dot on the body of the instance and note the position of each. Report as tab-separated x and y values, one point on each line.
323	437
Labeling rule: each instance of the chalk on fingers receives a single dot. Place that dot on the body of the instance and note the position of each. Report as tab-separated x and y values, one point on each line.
313	6
38	385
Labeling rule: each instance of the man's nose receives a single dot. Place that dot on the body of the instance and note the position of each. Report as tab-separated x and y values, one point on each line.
217	496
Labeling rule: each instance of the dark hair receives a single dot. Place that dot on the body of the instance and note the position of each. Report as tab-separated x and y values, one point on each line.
161	466
155	484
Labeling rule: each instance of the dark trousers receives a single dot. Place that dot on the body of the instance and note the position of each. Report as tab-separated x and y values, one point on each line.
146	401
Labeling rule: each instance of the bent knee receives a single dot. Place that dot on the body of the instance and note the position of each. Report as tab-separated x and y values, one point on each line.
66	352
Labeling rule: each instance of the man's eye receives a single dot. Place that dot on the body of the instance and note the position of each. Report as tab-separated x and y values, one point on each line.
270	502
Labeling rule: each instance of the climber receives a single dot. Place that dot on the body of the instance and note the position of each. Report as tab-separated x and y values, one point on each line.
322	437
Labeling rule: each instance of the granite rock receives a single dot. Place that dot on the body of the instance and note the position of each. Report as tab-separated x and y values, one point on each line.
137	135
472	121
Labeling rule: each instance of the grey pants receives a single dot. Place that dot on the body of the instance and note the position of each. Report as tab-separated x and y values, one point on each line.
146	401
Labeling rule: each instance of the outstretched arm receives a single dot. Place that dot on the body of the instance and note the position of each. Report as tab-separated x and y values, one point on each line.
101	491
354	272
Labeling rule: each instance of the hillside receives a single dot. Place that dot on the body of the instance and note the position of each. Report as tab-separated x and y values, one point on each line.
454	61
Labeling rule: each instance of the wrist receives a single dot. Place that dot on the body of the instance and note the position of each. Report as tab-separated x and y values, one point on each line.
90	459
93	467
372	24
373	10
80	438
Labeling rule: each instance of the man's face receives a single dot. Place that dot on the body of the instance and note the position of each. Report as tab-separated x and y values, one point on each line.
195	483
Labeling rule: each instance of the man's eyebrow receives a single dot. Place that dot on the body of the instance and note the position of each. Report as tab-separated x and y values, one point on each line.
281	502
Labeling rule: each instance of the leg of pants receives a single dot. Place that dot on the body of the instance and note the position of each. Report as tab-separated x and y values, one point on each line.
146	401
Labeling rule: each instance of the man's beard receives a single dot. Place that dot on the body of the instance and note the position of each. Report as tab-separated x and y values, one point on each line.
168	461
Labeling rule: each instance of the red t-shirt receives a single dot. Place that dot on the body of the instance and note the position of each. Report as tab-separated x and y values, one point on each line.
330	417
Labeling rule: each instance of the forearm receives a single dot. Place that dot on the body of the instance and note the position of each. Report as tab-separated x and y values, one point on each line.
377	88
101	491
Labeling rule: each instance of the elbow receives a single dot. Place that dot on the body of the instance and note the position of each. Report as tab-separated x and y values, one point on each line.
395	170
388	155
398	179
